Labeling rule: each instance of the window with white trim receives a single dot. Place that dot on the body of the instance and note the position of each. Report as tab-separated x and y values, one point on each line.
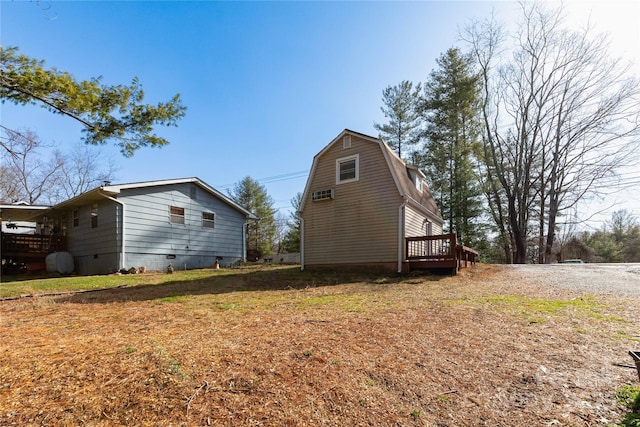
347	169
75	215
208	219
176	215
322	195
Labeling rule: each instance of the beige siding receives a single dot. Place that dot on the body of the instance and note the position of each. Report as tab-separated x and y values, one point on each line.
415	223
360	224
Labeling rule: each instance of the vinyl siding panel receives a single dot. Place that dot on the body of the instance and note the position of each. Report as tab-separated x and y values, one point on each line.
153	241
95	250
414	223
360	224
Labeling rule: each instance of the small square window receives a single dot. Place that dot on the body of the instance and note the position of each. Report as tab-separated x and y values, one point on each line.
347	169
176	215
208	219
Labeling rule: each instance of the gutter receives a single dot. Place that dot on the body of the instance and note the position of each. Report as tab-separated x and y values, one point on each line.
401	232
122	242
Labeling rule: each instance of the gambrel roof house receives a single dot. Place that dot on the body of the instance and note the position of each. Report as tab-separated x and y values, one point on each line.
183	222
360	202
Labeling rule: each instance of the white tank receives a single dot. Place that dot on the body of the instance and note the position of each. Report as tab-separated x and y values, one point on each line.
59	262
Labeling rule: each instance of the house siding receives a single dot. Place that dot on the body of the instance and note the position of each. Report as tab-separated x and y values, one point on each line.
95	250
415	223
360	224
151	240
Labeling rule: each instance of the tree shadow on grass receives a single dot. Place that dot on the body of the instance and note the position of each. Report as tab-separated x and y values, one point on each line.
242	281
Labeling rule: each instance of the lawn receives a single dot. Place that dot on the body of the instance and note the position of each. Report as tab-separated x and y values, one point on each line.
274	346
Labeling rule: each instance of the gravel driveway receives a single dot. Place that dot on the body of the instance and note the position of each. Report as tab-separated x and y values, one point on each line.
608	279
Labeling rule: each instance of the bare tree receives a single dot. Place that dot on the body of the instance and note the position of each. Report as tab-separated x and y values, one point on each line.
559	117
26	175
84	168
9	187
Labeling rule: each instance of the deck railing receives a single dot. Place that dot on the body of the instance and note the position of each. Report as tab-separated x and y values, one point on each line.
430	247
441	251
31	245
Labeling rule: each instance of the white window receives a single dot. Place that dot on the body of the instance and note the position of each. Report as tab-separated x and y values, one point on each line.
347	169
322	195
208	219
176	215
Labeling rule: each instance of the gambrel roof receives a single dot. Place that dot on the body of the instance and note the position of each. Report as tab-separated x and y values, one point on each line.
401	172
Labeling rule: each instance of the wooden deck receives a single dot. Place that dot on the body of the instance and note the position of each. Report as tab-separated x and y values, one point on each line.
26	247
438	252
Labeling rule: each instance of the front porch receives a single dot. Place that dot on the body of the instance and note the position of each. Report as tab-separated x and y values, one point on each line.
438	252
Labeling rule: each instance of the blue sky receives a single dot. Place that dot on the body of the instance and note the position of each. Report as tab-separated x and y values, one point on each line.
267	84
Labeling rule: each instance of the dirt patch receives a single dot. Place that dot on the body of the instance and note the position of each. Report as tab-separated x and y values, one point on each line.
491	347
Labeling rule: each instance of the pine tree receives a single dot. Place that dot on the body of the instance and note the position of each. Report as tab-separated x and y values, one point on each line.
292	238
449	109
107	112
402	131
252	196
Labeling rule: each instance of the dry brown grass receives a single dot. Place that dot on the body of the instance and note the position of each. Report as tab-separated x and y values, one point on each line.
273	348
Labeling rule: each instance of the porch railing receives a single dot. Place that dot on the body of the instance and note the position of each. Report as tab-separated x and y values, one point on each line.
30	245
441	251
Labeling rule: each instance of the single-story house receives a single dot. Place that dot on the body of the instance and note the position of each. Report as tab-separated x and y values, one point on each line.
182	222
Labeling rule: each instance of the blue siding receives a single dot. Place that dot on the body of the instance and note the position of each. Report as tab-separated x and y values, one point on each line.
152	241
95	250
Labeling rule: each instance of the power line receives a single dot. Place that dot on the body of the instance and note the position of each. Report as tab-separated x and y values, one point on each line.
275	178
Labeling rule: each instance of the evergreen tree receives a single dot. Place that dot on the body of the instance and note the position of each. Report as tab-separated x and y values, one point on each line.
106	112
292	238
452	143
402	132
617	241
252	196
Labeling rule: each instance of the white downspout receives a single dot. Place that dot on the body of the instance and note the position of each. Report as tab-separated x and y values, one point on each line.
122	243
401	233
301	243
244	241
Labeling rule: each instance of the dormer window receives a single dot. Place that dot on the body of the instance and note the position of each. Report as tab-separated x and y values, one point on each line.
416	177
